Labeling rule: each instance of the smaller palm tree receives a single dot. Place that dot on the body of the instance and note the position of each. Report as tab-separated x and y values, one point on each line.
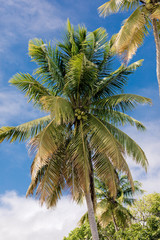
115	210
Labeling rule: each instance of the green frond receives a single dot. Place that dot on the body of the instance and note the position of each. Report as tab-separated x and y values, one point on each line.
130	146
116	80
60	108
25	130
33	89
131	35
117	118
96	44
81	74
122	102
51	69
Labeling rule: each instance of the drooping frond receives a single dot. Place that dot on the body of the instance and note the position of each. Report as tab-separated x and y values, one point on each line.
24	131
51	69
48	178
79	154
130	146
46	142
131	35
60	108
113	6
106	172
33	89
102	141
122	102
117	118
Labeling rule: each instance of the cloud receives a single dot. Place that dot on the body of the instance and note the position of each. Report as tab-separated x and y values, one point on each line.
14	108
27	18
22	218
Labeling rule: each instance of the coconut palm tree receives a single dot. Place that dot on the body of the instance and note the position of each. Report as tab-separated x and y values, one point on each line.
134	29
85	104
115	210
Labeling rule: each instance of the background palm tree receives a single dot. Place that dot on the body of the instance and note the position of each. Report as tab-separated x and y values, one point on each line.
134	29
75	85
115	210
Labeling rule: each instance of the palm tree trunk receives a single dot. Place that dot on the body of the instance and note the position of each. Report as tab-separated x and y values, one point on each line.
157	41
92	221
114	222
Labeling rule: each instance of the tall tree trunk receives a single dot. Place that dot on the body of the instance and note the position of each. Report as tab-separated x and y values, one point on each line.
157	41
92	221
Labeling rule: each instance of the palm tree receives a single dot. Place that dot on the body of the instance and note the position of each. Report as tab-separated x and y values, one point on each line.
134	29
115	210
75	85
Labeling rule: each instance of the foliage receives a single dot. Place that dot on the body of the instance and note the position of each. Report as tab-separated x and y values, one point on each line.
146	221
115	210
137	231
83	232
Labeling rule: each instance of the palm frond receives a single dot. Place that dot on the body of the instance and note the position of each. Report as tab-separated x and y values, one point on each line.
103	168
102	141
155	13
51	68
79	155
117	118
33	89
130	146
131	35
113	6
80	77
114	82
60	108
46	142
122	102
24	131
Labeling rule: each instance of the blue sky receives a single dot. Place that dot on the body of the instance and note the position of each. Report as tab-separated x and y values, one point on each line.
21	20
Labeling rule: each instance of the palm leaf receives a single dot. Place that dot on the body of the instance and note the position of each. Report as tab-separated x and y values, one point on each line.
60	108
79	155
33	89
131	35
51	68
24	131
122	102
46	142
115	81
130	146
102	141
113	6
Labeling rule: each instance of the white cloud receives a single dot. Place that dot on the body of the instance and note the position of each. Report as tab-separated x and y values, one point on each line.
14	108
22	218
27	18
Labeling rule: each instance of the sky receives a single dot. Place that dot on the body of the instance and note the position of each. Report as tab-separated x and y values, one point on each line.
20	21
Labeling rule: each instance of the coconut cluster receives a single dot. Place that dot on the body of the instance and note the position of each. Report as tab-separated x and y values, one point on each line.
80	114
